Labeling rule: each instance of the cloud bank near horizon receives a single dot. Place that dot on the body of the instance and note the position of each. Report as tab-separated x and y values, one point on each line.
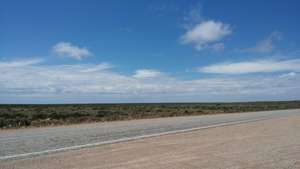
32	78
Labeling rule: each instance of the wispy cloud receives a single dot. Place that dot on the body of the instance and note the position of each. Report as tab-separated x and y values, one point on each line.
256	66
69	50
288	75
192	17
265	45
147	73
19	63
98	67
206	34
93	81
218	47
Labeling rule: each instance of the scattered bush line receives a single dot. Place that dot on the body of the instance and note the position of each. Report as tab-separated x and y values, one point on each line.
16	116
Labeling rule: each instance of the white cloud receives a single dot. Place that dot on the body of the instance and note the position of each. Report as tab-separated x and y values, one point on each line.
265	45
36	82
253	67
69	50
206	33
147	73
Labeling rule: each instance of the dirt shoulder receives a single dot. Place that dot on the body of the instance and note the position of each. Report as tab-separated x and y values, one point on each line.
265	144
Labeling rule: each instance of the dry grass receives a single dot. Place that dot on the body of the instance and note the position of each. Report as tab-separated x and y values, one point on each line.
16	116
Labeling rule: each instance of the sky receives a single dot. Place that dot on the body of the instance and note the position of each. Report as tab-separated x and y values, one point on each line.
115	51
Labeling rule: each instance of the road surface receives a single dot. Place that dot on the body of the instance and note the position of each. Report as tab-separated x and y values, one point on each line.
25	143
268	144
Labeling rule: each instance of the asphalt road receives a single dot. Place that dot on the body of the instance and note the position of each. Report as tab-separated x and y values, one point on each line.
24	143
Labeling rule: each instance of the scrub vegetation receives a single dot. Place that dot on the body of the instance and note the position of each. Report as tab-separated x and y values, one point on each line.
17	116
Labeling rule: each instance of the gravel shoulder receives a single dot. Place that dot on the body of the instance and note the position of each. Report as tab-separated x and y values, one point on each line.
273	143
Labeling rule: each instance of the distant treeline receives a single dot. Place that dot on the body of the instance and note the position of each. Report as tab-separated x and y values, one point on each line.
16	116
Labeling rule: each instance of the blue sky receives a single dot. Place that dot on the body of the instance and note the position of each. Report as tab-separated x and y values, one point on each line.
149	51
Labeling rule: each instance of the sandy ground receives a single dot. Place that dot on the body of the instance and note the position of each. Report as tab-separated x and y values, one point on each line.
265	144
